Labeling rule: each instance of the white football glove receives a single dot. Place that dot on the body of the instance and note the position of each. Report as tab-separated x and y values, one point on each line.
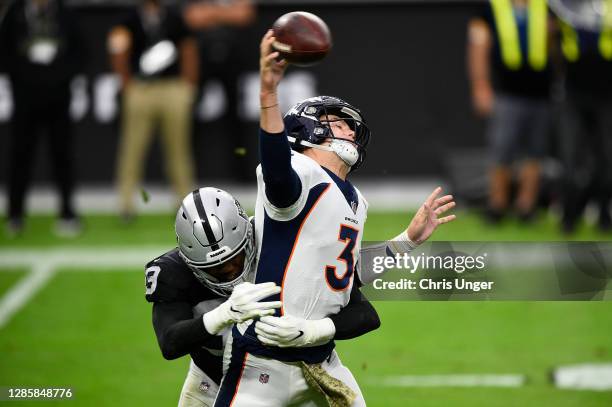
292	332
242	305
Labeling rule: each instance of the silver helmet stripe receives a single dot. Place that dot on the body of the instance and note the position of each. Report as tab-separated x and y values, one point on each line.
210	236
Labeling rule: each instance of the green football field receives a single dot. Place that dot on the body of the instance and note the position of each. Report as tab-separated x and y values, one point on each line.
89	328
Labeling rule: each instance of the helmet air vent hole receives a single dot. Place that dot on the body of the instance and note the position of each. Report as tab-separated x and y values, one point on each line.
234	228
218	201
191	247
183	214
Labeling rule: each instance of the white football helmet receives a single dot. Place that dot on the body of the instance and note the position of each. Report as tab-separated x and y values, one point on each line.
212	228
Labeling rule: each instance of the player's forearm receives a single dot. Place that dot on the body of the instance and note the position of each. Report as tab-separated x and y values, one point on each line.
355	320
181	338
177	334
270	119
283	186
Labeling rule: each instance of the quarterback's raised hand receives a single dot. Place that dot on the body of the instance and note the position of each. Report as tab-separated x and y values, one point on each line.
429	216
242	305
271	70
270	74
288	331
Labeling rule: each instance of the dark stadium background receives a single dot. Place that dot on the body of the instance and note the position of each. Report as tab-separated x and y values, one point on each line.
401	62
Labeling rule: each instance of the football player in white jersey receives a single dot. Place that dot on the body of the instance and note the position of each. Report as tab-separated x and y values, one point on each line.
189	287
309	225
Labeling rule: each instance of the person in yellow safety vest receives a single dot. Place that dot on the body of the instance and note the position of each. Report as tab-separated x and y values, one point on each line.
586	149
510	75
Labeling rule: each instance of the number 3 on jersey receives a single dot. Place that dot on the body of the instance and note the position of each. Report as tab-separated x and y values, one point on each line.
151	279
348	236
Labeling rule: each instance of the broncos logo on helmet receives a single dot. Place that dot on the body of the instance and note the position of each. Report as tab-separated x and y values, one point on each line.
305	128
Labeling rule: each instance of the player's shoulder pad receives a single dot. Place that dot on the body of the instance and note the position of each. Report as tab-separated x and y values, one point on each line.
167	278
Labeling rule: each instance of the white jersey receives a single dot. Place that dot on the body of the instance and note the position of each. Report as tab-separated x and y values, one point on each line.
311	248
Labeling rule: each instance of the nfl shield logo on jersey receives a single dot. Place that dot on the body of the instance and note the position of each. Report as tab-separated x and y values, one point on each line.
263	378
204	386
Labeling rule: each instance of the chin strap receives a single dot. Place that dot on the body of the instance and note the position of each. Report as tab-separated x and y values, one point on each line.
344	149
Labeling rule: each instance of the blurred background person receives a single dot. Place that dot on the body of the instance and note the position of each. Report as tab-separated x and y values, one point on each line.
41	45
222	30
157	59
510	74
585	115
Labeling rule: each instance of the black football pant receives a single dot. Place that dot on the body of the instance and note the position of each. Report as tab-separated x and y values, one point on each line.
36	114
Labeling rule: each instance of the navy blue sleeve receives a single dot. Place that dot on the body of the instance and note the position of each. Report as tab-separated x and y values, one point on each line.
283	186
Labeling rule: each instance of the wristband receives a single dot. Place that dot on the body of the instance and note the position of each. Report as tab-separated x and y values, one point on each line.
402	243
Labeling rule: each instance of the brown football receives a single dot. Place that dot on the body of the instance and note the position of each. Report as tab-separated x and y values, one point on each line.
302	38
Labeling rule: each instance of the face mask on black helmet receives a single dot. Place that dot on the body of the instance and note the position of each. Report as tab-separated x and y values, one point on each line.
306	128
211	229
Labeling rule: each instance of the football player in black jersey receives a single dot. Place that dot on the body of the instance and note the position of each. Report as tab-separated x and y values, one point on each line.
203	286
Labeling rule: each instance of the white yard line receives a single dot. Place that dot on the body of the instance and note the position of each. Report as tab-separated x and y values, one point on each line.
90	257
44	263
390	193
23	291
587	376
451	380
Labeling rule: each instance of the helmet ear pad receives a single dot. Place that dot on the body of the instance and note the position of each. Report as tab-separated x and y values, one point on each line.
306	129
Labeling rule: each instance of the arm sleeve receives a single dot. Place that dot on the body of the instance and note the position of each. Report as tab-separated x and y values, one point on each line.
178	333
358	317
283	185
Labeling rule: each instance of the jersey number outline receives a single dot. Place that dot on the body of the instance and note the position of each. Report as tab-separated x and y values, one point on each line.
348	236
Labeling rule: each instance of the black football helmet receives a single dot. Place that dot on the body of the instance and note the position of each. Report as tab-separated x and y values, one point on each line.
305	128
